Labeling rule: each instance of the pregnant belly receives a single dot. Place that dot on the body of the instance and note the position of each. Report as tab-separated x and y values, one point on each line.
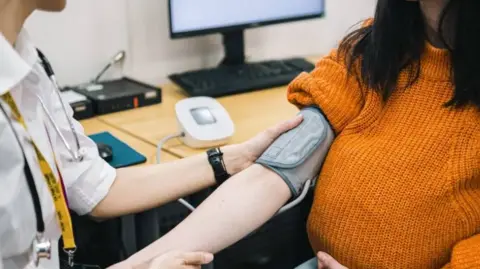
378	219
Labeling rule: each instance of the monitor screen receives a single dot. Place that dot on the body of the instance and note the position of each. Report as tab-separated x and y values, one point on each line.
189	17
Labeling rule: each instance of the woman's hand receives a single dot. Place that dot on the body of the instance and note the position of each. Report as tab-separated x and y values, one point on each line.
181	260
240	156
326	261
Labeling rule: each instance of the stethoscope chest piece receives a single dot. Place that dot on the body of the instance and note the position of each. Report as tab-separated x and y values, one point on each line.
42	249
78	156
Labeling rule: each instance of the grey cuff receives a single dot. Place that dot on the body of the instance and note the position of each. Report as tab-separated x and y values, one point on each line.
298	155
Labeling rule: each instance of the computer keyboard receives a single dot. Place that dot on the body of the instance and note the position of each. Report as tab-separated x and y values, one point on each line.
229	80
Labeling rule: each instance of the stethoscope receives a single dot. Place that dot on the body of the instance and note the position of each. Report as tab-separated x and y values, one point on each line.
76	154
41	248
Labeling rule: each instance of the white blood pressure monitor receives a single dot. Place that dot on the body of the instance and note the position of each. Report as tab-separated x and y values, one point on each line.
204	122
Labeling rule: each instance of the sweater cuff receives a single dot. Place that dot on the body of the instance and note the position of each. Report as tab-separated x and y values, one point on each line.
466	254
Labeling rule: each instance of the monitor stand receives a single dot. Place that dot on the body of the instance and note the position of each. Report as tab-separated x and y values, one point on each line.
234	46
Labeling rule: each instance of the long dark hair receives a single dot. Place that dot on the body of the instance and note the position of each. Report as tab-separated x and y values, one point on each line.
395	40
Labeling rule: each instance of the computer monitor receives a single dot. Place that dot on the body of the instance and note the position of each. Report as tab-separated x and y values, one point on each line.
231	17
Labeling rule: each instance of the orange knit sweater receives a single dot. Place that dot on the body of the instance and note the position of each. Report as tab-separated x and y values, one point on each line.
400	187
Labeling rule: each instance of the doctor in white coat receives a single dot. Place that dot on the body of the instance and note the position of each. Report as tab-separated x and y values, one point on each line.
43	169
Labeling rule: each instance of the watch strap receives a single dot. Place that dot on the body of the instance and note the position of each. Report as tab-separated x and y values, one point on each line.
215	158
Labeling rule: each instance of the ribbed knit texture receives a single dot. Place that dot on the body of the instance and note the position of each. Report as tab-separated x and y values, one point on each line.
400	187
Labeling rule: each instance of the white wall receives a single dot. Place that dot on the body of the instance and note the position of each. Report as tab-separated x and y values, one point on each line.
82	38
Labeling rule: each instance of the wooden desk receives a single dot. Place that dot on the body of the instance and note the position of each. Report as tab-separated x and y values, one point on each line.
94	125
251	112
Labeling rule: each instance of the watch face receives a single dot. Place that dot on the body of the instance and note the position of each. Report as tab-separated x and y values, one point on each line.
203	116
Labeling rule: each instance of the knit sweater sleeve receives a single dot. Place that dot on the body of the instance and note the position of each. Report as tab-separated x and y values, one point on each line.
331	88
466	254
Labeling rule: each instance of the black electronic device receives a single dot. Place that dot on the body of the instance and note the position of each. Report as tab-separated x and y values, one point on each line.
118	95
105	151
82	110
231	18
233	79
81	105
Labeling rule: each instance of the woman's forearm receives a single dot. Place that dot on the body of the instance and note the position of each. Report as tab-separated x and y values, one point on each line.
236	209
141	188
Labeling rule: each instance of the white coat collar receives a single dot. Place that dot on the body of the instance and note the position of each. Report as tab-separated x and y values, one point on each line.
15	63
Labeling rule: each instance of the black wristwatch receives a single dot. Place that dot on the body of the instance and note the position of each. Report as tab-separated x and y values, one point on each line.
215	158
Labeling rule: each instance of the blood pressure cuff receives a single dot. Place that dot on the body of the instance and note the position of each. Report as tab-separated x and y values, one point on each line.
298	155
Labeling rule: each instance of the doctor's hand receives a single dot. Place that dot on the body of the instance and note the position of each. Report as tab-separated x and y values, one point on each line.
240	156
181	260
326	261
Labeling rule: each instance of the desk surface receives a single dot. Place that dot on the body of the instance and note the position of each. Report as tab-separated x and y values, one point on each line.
93	126
251	112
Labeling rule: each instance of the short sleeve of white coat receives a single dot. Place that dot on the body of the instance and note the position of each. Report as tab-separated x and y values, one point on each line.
87	182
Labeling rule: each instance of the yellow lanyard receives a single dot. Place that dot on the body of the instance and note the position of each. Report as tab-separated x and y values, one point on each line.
54	185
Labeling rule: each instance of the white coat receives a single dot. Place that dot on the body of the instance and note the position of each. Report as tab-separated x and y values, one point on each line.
86	182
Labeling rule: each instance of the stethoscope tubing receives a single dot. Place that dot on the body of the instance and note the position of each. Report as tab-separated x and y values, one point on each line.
76	155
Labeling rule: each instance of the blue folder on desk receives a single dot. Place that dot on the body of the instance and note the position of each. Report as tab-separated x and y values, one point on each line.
123	154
